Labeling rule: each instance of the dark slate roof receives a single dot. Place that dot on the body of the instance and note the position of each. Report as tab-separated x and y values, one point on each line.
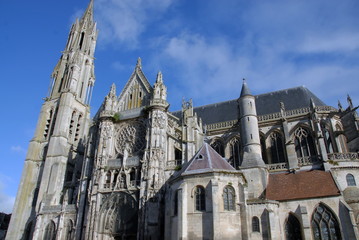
293	98
301	185
205	160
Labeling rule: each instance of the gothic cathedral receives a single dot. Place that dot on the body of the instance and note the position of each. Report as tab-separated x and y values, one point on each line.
279	165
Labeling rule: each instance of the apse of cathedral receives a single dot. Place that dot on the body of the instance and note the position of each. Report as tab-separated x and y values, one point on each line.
278	165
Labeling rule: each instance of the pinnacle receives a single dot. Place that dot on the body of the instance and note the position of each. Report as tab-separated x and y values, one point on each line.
245	90
159	77
139	63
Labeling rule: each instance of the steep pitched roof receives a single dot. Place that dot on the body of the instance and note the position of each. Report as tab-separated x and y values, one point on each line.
293	98
301	185
205	160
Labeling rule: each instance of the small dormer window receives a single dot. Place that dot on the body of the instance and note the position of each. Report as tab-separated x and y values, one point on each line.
200	157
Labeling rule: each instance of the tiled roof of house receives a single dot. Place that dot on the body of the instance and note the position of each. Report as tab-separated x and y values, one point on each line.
301	185
293	98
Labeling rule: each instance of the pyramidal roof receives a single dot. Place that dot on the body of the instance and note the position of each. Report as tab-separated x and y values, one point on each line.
205	160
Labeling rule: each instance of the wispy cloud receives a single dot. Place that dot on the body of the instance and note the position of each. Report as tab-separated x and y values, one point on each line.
122	21
18	149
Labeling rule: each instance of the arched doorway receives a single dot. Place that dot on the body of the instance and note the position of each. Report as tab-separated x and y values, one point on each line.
118	219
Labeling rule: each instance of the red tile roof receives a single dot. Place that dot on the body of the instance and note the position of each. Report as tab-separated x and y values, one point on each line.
301	185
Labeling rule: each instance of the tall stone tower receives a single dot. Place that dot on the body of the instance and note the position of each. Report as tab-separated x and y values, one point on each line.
252	164
48	191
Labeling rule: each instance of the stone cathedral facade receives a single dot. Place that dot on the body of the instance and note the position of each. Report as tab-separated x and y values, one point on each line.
280	165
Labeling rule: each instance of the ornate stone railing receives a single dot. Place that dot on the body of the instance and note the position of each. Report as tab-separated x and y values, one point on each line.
343	156
308	160
277	167
272	116
221	125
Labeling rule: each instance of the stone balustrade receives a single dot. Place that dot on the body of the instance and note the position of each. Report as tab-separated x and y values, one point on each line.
349	156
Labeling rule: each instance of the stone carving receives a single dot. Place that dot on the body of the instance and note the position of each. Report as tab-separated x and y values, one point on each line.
159	120
131	138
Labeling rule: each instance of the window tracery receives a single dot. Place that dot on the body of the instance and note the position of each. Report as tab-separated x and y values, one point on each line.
277	148
229	199
218	146
304	143
327	138
324	224
235	152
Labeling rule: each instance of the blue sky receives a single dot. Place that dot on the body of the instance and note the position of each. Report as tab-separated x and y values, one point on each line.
203	48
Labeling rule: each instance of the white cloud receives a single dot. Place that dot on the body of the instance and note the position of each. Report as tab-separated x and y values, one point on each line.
123	21
18	149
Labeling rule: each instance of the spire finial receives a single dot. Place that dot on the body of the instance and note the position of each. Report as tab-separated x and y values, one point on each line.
159	77
89	12
245	90
139	63
113	90
340	105
350	102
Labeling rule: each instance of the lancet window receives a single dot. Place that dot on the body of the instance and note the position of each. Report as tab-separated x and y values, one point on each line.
200	198
69	231
324	224
304	143
48	124
218	146
175	203
277	147
50	231
235	152
229	199
327	139
293	229
264	149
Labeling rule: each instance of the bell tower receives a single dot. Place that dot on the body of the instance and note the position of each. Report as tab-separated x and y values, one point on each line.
55	154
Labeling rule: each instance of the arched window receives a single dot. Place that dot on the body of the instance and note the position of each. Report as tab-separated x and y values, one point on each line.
277	148
350	180
324	224
229	200
327	138
264	149
200	197
218	146
235	151
255	224
69	230
304	143
293	229
50	231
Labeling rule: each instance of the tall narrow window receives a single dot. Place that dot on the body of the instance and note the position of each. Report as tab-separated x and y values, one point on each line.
178	156
277	148
350	180
255	224
72	123
77	133
48	124
324	224
229	199
327	138
200	198
175	203
264	149
304	143
235	151
50	233
293	229
82	39
28	231
218	146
